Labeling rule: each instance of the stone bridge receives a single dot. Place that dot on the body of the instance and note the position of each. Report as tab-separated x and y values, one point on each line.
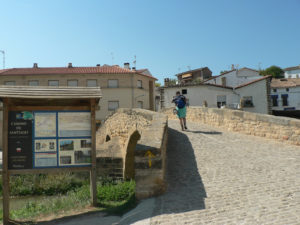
216	176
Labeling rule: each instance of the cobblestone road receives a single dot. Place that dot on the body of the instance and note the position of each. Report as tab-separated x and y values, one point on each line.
217	177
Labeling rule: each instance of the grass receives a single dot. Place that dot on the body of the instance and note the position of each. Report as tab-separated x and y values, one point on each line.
114	197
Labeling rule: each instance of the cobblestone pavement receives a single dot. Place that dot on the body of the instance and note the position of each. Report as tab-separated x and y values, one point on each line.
217	177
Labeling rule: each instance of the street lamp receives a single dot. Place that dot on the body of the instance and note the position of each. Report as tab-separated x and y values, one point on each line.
3	52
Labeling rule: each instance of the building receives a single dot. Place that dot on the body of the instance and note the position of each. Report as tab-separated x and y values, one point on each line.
235	77
285	95
253	96
292	72
197	75
121	87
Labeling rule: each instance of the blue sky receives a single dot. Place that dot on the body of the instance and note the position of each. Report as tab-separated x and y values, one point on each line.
167	36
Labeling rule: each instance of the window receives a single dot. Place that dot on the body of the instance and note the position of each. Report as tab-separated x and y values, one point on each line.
274	100
247	101
113	105
140	104
184	91
140	84
290	76
221	101
113	83
223	81
53	83
274	90
285	100
287	89
72	83
91	83
33	83
297	75
9	82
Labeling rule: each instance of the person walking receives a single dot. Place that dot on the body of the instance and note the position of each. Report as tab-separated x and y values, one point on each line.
180	103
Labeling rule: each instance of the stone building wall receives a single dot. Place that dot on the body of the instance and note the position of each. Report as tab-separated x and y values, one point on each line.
268	126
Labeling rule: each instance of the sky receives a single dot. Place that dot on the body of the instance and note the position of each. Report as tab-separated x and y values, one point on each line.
166	36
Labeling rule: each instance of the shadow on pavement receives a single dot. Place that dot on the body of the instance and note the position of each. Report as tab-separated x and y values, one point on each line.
185	191
203	132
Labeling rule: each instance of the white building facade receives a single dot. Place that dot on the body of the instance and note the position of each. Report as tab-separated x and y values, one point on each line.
285	94
235	77
292	72
253	96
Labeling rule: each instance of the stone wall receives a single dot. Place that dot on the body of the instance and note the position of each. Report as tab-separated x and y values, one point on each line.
132	143
268	126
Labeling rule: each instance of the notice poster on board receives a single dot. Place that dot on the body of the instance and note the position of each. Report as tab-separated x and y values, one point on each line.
45	145
74	152
74	124
47	159
45	124
20	140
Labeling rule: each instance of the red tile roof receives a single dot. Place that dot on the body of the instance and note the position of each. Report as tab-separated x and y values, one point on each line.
285	82
72	70
292	68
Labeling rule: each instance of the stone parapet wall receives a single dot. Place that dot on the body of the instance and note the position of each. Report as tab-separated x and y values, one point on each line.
268	126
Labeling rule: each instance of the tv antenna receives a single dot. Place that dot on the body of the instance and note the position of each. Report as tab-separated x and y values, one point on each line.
134	62
259	66
3	52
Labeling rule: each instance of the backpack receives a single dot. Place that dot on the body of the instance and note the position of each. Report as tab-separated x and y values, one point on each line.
181	102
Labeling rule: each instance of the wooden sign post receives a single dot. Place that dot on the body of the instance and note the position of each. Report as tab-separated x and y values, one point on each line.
48	130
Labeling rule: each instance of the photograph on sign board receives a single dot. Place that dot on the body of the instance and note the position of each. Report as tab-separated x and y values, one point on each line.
45	145
65	160
45	124
45	159
66	145
74	124
86	143
83	157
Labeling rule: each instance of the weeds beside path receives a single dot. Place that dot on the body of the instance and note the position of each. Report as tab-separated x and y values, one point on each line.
114	197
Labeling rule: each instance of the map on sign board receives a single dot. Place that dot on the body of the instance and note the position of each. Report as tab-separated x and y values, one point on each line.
74	124
45	124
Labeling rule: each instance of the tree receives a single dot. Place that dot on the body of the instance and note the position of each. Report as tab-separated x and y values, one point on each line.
157	84
172	81
275	71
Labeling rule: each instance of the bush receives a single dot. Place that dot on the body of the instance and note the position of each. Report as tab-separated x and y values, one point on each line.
44	184
118	191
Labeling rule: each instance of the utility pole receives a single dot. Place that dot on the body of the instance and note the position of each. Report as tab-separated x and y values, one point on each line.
3	52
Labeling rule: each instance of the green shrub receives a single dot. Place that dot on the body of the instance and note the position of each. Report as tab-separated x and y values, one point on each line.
114	196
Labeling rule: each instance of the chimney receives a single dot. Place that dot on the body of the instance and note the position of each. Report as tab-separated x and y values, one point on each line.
127	66
98	65
232	67
70	65
35	65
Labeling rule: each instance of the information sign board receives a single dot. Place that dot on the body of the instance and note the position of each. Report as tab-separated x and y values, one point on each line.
43	139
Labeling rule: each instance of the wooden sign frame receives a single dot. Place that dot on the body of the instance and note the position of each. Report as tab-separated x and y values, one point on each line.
16	104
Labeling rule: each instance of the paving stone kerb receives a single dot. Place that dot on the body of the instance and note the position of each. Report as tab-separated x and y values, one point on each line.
268	126
114	141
